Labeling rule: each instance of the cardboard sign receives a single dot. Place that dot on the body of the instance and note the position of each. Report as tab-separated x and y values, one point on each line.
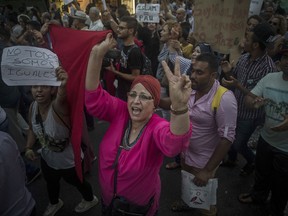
221	23
148	13
27	65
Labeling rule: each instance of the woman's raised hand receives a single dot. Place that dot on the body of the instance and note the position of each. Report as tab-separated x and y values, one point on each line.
61	75
105	45
179	86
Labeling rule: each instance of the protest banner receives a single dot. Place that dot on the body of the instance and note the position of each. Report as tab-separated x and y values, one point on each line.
148	13
221	23
255	7
27	65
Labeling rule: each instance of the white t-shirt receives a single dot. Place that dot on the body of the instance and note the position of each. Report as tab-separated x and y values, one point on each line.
96	26
274	88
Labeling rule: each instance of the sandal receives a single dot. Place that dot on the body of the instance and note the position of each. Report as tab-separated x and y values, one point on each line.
246	198
180	206
172	165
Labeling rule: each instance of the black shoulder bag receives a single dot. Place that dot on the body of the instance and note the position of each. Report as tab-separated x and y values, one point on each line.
119	206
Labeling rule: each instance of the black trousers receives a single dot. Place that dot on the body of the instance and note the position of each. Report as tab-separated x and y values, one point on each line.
271	174
53	177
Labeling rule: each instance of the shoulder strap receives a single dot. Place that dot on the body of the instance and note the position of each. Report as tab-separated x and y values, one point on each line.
115	165
39	120
66	125
217	98
128	52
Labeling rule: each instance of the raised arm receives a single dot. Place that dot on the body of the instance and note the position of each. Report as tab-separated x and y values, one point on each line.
180	91
95	62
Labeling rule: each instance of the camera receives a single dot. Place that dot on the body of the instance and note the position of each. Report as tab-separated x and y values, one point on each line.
112	55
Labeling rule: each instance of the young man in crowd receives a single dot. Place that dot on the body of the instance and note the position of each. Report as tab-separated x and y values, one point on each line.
213	129
131	61
271	171
251	67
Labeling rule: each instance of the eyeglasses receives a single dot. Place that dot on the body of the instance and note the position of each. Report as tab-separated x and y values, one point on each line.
142	97
273	23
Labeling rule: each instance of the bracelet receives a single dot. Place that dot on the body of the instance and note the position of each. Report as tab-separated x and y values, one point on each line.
178	112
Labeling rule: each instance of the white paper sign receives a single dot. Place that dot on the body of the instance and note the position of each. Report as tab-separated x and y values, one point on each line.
148	13
27	65
198	197
255	7
67	1
104	5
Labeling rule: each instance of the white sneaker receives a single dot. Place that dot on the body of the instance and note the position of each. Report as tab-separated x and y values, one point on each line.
86	205
51	210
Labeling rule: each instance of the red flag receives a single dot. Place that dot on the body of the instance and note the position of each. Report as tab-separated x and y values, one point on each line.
73	49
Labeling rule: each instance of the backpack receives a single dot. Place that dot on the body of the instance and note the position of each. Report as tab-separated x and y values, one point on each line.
217	98
146	62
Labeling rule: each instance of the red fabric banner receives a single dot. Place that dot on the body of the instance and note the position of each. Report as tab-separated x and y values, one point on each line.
73	49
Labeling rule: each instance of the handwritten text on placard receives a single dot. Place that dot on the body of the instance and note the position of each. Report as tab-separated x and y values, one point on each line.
148	13
26	65
220	23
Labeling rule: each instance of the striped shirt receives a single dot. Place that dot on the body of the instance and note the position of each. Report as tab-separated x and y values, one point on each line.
248	73
164	55
185	64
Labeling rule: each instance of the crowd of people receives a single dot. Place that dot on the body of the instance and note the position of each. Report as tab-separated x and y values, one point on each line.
208	109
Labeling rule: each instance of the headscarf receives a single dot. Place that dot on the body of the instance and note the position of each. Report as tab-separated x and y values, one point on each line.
151	84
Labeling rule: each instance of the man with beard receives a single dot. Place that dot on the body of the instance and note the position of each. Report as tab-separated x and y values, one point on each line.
271	168
213	130
131	63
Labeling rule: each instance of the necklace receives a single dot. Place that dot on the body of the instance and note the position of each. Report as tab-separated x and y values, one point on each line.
125	141
134	130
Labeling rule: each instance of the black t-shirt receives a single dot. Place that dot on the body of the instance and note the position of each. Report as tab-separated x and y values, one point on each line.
134	61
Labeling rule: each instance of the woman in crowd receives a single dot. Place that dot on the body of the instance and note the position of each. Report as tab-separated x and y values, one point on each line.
132	150
279	24
49	123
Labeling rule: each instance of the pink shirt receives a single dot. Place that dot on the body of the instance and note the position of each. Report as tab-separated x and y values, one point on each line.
138	169
208	128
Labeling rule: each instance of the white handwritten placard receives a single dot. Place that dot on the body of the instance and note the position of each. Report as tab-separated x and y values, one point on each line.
27	65
148	13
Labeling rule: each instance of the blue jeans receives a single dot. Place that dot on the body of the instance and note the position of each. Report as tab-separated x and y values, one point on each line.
271	173
244	130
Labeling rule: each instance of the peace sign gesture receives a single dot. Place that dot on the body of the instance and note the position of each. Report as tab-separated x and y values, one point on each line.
179	86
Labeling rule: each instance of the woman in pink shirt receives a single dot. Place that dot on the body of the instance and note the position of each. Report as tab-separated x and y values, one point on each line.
132	150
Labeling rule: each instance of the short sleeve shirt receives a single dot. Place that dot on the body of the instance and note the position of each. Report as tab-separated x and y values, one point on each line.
275	89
